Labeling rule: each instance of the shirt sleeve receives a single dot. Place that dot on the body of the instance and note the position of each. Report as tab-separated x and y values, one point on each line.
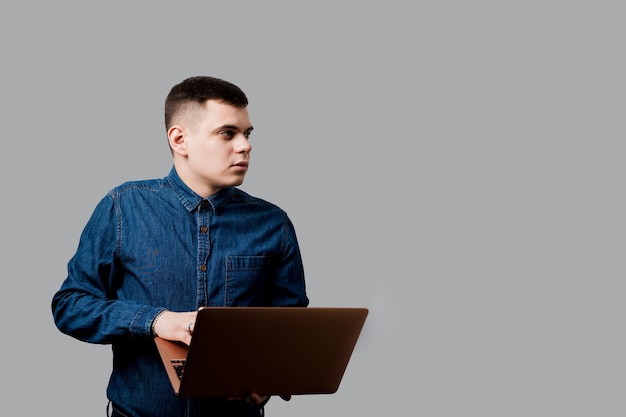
85	306
290	288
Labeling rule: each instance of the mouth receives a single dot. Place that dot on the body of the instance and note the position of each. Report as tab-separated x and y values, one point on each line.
241	165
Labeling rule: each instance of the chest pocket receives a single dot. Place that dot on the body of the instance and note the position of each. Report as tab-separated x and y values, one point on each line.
246	279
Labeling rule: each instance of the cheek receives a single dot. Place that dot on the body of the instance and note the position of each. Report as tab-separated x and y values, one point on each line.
210	156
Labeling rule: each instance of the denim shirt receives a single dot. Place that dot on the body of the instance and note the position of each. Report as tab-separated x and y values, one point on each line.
153	245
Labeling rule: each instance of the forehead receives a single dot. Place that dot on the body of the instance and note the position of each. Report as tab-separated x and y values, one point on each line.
218	113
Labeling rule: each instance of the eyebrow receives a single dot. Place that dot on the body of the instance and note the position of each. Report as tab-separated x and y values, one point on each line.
233	127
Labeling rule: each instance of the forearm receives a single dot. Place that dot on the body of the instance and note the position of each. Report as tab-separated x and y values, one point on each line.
101	321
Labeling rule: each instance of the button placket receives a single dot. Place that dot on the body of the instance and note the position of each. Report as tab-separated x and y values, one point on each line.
204	248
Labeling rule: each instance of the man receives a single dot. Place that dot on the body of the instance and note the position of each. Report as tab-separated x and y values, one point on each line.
154	251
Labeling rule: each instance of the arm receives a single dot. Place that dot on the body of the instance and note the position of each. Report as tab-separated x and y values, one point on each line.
87	307
289	283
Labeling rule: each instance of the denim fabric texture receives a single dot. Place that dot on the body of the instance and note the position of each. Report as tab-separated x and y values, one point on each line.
154	244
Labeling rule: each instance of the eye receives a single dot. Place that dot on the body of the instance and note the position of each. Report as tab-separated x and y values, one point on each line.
247	134
229	134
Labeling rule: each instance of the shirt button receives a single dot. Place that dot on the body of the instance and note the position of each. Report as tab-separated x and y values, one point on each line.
203	229
204	204
203	268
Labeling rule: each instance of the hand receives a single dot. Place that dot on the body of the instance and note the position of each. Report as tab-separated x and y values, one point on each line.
252	398
176	326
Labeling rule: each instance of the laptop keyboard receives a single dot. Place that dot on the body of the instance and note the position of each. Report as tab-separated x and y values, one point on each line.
179	366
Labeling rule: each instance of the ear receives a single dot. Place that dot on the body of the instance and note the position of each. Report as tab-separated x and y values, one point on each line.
177	139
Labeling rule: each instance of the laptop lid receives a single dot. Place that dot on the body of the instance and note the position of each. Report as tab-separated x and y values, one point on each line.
267	350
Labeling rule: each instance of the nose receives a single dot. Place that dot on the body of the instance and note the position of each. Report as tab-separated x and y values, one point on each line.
243	144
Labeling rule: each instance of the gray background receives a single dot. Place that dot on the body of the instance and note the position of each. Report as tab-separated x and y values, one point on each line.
456	167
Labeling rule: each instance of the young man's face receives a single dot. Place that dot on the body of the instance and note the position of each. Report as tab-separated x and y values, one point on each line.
212	152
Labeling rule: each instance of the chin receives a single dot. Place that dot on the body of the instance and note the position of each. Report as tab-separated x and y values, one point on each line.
237	183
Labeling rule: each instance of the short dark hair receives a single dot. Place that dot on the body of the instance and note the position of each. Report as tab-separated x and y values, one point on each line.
199	89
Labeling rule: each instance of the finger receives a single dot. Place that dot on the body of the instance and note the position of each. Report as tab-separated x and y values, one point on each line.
255	398
247	398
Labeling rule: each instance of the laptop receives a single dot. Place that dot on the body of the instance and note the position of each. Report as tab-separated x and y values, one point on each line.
267	350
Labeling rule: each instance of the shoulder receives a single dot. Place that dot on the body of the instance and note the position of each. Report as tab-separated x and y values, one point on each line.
137	186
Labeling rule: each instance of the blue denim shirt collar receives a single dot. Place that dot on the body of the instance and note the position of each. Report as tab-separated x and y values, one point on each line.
190	200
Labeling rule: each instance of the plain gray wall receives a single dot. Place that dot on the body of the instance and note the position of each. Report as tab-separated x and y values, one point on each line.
456	167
